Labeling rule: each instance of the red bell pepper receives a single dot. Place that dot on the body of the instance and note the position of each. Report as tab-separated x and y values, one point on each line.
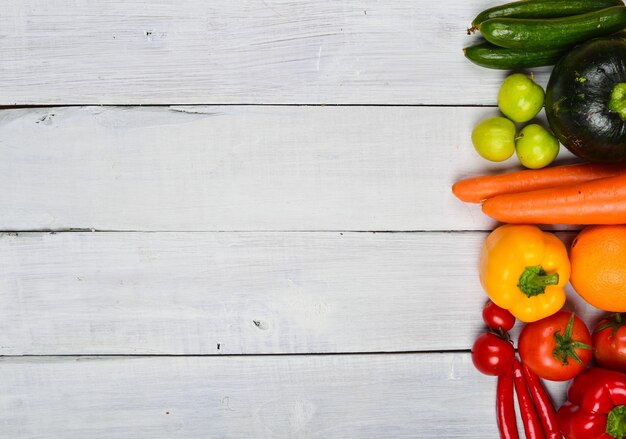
596	406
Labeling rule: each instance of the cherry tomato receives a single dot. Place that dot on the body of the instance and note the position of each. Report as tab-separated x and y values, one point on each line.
609	340
492	355
497	318
557	347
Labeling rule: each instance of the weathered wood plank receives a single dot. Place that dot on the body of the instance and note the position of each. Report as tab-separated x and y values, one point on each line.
239	293
351	397
239	168
253	51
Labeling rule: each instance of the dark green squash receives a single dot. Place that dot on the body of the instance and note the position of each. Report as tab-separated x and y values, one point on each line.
586	99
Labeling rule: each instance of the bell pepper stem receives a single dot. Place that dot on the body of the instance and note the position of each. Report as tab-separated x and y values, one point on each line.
534	280
616	422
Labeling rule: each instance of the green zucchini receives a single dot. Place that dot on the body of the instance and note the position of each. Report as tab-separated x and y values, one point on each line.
551	33
494	57
544	9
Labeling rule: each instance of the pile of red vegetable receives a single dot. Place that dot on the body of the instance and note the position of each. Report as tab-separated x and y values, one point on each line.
493	354
596	405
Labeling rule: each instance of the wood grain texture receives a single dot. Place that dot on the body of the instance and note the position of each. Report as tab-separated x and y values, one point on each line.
252	51
240	293
237	187
351	397
239	168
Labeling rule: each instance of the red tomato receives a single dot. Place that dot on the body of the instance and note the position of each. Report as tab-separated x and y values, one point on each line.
609	340
496	317
557	347
492	355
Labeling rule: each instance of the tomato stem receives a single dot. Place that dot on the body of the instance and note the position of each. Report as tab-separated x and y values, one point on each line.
615	322
501	333
566	347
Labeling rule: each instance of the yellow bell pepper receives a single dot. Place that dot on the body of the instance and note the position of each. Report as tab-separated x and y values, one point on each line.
525	270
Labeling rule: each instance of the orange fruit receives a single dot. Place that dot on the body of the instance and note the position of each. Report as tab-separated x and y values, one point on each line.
598	258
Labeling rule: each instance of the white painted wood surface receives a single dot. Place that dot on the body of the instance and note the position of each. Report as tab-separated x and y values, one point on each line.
233	225
351	397
240	293
251	51
240	168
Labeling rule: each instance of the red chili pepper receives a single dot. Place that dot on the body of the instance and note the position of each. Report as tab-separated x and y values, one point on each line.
543	404
532	426
505	407
596	406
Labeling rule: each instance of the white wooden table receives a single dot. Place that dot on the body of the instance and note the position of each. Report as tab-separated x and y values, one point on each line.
233	219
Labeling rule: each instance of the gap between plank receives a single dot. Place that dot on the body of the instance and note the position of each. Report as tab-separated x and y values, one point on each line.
340	231
35	106
283	354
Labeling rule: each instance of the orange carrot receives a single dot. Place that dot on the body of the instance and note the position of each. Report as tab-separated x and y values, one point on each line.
600	201
478	189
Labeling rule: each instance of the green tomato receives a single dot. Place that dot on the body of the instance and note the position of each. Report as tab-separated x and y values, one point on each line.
494	138
520	98
536	147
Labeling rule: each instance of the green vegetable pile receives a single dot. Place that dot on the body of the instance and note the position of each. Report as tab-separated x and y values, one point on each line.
585	100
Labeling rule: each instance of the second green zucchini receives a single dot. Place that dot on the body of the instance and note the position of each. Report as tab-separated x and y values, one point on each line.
494	57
